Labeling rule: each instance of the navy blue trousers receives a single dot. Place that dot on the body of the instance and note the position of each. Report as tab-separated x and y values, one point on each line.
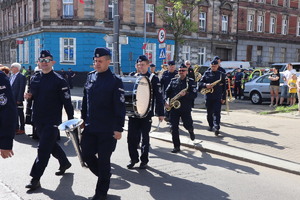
213	113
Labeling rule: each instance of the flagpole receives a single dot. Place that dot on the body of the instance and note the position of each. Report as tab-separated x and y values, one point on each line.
145	15
116	38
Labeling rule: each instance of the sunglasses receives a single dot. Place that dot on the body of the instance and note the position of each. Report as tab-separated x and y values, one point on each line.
182	70
46	60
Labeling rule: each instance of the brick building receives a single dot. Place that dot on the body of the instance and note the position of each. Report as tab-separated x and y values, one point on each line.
234	30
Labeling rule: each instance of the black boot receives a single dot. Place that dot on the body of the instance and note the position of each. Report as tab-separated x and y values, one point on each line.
34	184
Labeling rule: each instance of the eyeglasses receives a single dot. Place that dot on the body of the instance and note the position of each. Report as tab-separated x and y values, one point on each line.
182	70
187	64
46	60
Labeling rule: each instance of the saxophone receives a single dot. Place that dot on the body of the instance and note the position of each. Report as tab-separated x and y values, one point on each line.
210	90
174	102
197	73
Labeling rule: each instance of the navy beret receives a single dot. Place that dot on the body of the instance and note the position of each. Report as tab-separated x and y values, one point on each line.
45	53
142	58
216	58
152	65
171	62
214	62
182	66
100	51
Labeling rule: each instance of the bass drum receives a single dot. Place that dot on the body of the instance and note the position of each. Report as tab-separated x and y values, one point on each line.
138	95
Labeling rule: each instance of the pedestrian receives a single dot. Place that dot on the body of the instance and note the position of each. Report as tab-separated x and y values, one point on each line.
218	59
298	93
50	93
191	73
213	79
238	83
292	84
70	75
184	90
274	87
63	73
8	117
18	84
103	112
6	70
286	76
166	79
140	127
152	69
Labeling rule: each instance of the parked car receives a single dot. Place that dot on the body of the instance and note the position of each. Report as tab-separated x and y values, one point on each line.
282	66
258	89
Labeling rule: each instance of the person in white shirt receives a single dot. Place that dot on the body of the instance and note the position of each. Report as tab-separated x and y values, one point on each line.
287	75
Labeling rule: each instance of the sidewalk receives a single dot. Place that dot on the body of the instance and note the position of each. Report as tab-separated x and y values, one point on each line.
268	140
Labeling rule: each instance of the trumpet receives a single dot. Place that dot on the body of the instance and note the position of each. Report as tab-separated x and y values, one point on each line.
73	131
174	102
210	90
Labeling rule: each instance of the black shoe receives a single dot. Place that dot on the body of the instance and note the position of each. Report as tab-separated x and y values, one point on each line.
131	164
62	170
175	150
210	129
143	165
99	197
33	185
192	136
217	132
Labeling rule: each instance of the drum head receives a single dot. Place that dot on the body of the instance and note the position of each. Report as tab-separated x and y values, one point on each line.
143	96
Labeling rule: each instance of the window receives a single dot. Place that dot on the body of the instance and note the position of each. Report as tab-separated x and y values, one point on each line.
298	27
185	52
250	22
259	54
274	2
169	11
271	54
187	14
150	52
26	52
68	10
260	23
286	3
110	10
150	13
283	55
68	50
284	26
201	56
260	1
169	52
25	14
272	24
202	21
37	49
224	23
21	53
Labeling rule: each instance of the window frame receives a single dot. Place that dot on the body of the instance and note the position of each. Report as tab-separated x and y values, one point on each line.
260	23
186	52
250	20
202	21
68	8
62	51
150	8
225	23
150	48
201	55
272	25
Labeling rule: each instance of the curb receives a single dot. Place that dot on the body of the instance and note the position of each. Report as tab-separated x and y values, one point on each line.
235	153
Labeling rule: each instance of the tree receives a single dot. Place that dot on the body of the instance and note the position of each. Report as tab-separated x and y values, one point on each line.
177	16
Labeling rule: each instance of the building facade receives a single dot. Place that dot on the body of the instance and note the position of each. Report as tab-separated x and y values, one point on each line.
71	30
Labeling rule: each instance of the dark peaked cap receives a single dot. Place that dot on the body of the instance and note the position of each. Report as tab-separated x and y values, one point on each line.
142	58
100	51
45	53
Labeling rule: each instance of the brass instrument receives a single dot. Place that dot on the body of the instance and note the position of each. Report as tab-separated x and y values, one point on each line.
230	98
163	69
73	131
174	102
210	90
198	75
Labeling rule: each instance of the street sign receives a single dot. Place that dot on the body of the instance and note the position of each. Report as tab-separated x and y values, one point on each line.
162	53
162	35
162	45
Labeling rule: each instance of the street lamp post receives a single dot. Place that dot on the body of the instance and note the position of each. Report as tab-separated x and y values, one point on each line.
116	38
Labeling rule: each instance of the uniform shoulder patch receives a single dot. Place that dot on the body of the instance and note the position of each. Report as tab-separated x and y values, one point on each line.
3	99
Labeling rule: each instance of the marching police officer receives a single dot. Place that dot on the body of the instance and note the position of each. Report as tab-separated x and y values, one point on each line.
138	127
185	88
50	93
103	112
8	117
216	98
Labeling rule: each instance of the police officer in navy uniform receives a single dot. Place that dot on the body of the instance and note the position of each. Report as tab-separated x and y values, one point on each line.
8	117
191	73
186	88
50	93
215	99
103	112
138	127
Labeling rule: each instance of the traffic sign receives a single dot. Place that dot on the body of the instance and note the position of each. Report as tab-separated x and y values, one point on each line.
162	45
162	35
162	53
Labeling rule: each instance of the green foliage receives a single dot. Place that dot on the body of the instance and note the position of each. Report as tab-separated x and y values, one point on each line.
286	108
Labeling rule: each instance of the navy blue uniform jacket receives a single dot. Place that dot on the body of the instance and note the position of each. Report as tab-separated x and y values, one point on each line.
18	87
103	104
176	85
219	90
8	113
166	79
50	93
